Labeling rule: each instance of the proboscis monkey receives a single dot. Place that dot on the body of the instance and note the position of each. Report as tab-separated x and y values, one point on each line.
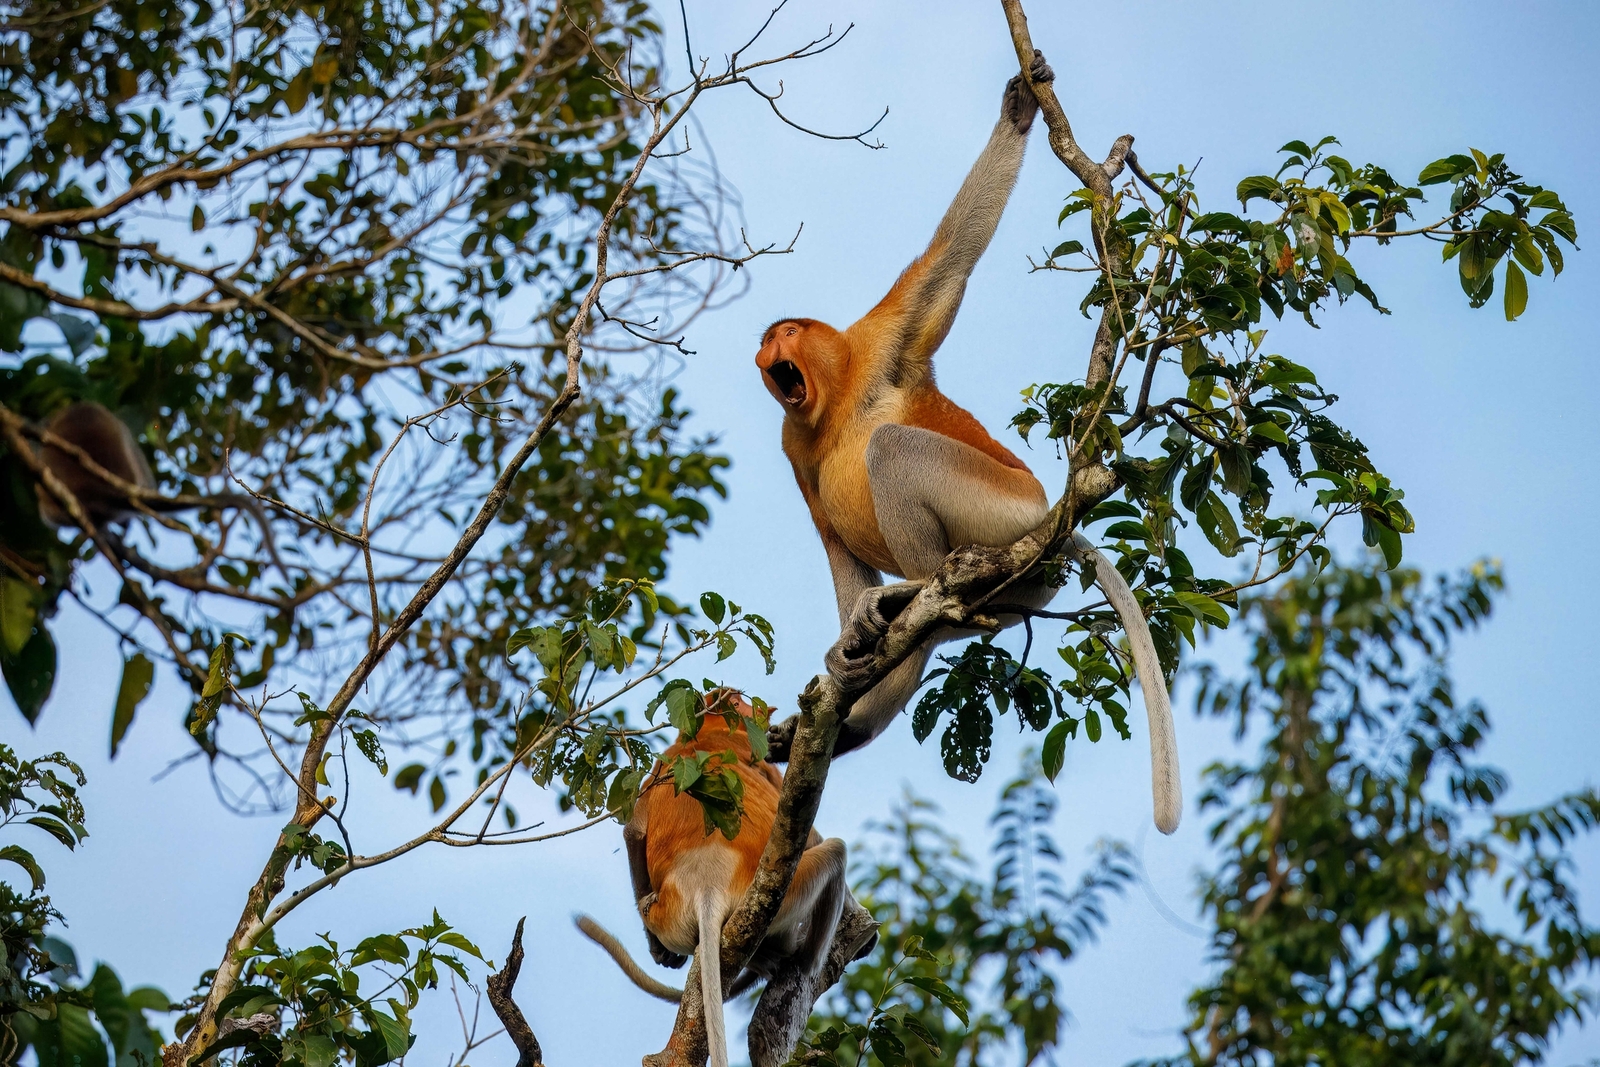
108	441
687	879
896	474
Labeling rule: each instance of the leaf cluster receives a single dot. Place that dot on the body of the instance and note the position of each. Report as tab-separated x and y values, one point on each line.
309	1007
569	729
266	238
43	1005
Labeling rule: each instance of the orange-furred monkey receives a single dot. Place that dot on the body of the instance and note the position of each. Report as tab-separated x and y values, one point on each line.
687	879
896	474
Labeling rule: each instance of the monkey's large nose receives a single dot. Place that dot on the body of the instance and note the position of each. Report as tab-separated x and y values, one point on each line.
789	382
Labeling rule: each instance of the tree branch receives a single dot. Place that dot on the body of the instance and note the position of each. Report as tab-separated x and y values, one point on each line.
500	986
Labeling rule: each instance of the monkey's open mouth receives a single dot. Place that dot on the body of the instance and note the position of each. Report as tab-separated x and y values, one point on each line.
790	382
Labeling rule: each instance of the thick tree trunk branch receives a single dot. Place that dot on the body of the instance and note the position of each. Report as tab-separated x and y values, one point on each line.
786	1003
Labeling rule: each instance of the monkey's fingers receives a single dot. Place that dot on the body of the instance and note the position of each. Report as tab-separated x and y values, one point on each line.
780	739
850	663
1039	70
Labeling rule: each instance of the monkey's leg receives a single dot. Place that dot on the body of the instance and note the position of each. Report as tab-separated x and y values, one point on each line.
933	493
815	898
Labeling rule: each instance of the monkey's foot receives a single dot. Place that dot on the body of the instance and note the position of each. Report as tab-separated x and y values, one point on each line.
1019	104
850	658
663	955
658	952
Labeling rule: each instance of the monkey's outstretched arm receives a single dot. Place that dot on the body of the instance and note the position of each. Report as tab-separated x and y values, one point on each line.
1166	785
909	324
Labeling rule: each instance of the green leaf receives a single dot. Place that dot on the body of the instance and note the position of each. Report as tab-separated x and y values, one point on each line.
137	674
1516	297
396	1034
1130	531
1259	186
1066	248
1216	522
18	614
24	859
436	794
55	828
319	1051
70	1039
31	673
1203	608
683	709
1271	431
1448	169
714	607
952	1000
409	777
79	332
1054	752
545	641
455	940
886	1046
1236	466
367	742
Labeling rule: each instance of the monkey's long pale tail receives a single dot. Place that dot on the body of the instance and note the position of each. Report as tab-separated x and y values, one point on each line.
603	937
1166	785
712	910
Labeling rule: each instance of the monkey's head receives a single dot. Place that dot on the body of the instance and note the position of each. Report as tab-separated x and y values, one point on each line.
800	361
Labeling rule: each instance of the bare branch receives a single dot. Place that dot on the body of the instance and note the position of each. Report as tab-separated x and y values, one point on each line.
500	987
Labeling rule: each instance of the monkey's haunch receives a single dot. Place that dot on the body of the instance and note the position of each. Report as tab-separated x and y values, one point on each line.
1165	782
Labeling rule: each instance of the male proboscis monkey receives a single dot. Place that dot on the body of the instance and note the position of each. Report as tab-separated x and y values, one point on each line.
896	475
687	879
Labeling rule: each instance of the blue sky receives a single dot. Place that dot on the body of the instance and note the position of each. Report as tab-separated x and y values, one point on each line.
1488	426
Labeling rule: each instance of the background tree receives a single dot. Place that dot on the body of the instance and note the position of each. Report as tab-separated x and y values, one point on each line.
375	187
1363	847
964	968
1358	853
269	238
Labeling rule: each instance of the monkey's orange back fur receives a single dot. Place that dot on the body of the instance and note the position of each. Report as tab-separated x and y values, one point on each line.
677	826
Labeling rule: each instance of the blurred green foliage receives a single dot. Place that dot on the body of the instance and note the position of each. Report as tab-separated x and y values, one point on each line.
962	973
1375	901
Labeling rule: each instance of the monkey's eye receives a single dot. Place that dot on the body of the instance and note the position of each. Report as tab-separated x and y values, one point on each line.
792	331
789	382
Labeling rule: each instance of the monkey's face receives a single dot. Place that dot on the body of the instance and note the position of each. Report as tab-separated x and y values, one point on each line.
798	362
